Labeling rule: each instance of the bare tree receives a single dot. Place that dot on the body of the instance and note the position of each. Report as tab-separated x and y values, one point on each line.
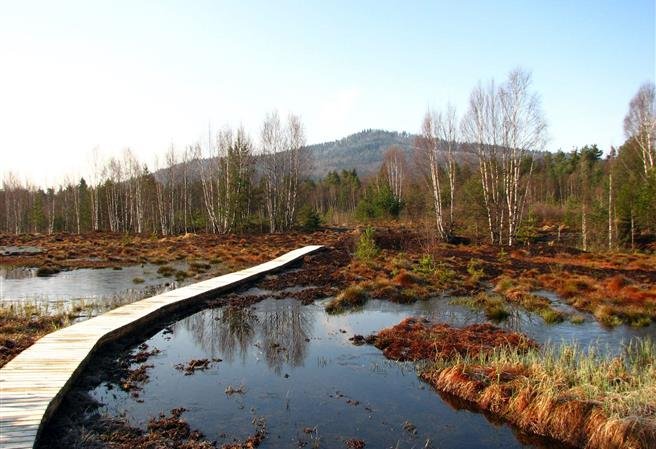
160	197
94	193
611	204
394	169
481	126
298	162
15	204
446	130
428	153
640	124
284	158
171	159
507	127
272	141
207	184
134	191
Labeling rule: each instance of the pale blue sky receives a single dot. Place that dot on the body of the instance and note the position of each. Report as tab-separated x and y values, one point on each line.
145	75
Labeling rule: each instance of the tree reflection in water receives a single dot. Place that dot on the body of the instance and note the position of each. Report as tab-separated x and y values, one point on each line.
279	328
284	333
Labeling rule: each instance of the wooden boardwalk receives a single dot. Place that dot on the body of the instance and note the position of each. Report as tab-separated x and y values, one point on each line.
33	384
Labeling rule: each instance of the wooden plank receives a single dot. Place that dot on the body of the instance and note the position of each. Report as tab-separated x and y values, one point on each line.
34	382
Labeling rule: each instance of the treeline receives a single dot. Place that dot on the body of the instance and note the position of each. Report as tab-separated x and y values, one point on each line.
237	184
222	188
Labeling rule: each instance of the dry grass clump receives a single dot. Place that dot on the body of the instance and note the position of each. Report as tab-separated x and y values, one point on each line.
166	271
405	279
22	324
164	431
563	392
613	300
350	298
47	270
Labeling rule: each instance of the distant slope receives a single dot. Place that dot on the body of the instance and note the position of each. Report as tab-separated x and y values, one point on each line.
364	151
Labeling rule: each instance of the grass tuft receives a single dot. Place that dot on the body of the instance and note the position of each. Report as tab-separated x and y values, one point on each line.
352	297
577	396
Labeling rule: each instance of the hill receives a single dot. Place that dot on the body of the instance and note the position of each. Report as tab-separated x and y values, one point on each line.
364	151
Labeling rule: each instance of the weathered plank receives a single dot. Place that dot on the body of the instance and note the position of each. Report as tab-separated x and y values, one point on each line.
33	384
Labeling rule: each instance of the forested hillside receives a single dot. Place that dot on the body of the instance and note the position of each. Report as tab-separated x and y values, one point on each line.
364	152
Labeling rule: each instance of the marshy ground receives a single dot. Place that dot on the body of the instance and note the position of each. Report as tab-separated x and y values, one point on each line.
502	336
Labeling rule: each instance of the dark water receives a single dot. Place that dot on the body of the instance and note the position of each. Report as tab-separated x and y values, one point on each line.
299	371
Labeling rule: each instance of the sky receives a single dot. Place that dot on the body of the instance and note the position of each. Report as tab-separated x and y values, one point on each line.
95	77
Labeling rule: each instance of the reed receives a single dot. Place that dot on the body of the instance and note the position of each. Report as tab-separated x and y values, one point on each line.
573	394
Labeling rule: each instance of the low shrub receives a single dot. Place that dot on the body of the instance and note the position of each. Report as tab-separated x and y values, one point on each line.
366	248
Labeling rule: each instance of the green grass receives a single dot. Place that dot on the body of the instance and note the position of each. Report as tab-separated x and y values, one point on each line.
475	270
492	305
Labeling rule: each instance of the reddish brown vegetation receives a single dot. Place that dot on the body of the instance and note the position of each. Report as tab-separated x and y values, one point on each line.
104	249
165	431
414	339
506	393
510	390
20	329
193	365
252	441
355	443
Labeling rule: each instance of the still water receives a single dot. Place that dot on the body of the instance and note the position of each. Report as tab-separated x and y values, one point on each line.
87	285
299	371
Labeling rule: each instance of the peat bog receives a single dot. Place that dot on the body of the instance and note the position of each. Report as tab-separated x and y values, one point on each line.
412	357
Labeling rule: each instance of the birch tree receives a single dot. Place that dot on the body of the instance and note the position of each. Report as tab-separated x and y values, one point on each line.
640	124
507	127
207	184
272	145
298	161
446	130
284	158
394	169
428	152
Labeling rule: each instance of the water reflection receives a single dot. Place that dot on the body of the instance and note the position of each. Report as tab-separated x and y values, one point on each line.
279	329
69	288
590	332
13	273
342	390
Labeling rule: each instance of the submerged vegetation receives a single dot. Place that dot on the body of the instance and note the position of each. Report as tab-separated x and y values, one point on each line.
494	306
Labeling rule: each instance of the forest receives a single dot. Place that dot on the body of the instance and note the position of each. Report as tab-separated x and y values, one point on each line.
512	191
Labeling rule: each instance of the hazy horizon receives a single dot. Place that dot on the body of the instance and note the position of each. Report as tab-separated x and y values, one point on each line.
78	76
